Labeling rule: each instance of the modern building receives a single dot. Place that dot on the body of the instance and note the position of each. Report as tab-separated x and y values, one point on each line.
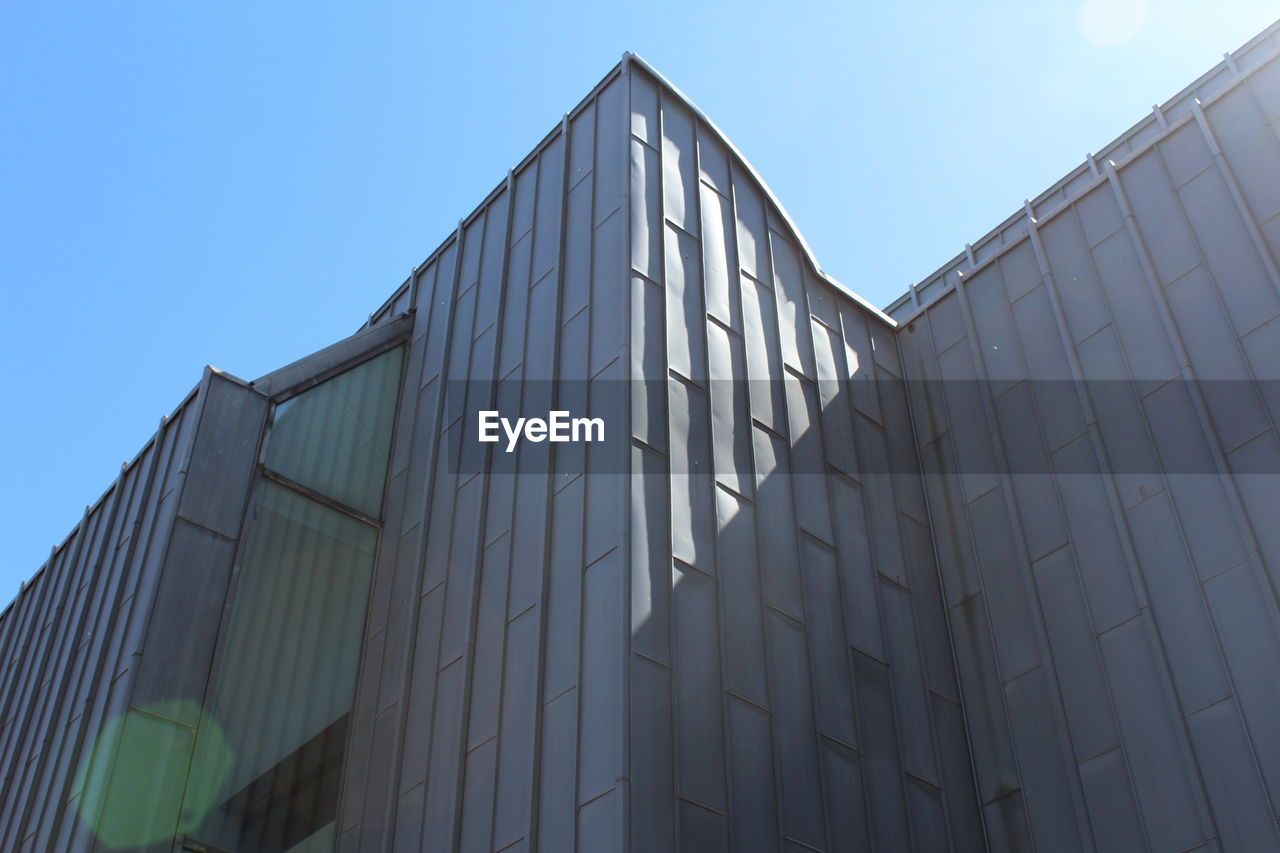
995	568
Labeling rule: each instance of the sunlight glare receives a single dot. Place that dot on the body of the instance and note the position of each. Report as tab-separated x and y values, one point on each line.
1108	23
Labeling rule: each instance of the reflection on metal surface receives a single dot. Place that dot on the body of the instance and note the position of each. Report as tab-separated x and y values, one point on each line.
133	779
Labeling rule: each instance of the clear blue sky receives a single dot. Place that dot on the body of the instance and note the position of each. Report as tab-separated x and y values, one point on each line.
240	183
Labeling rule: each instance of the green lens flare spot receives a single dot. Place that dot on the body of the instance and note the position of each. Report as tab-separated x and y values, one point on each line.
154	772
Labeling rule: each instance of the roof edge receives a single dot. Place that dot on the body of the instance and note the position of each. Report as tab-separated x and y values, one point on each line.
1233	69
634	58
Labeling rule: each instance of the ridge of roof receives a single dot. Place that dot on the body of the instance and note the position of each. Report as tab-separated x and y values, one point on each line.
630	58
633	58
1233	69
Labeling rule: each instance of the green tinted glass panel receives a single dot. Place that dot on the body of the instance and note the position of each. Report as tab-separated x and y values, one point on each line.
336	437
286	682
131	786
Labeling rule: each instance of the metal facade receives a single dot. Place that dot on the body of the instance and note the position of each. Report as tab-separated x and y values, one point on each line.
126	610
999	575
1116	634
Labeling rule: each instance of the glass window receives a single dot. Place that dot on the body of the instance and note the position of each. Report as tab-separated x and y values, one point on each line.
336	437
286	681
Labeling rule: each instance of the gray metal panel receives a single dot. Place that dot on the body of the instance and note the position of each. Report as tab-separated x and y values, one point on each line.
557	804
517	734
184	625
857	571
1154	272
1077	663
1048	779
916	738
1012	619
1178	606
754	807
692	510
1166	790
770	599
963	815
1096	536
884	777
332	359
1247	621
699	721
800	788
828	646
1155	203
652	753
222	464
778	537
523	623
1231	257
601	689
67	664
1221	92
601	824
1236	793
730	409
1113	812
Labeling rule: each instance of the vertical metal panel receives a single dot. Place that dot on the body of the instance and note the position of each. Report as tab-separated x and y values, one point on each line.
963	816
557	806
696	682
1166	790
740	582
799	785
652	752
1178	606
1171	296
793	308
1012	620
1250	296
883	783
78	630
1246	619
754	809
1076	658
857	571
1234	791
719	249
683	286
768	601
601	688
1046	780
730	409
1113	812
1006	825
692	527
835	712
916	738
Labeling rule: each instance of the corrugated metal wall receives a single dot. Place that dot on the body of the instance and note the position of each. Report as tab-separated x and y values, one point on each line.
791	680
489	714
123	607
771	688
1258	52
1117	634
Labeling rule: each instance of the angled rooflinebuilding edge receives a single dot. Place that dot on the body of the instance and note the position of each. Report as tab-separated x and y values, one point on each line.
629	57
1235	67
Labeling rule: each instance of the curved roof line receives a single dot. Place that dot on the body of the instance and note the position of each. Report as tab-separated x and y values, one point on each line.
630	57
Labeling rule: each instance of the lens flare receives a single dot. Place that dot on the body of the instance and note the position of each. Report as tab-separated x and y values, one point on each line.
134	784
